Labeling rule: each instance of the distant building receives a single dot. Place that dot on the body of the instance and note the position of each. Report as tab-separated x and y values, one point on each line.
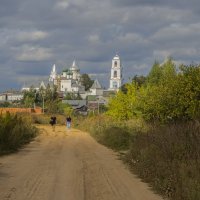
69	81
116	74
36	87
79	106
11	96
96	89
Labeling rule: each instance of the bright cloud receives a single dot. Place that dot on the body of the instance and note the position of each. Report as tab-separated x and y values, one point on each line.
25	36
31	53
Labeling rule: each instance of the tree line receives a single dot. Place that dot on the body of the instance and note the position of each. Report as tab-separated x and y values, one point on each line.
167	93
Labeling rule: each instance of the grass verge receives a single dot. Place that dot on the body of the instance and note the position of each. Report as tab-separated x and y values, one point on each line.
15	131
168	158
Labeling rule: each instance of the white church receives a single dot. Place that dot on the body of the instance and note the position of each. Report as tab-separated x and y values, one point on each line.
116	74
69	81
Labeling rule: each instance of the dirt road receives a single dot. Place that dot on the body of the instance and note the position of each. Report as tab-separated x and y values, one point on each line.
68	165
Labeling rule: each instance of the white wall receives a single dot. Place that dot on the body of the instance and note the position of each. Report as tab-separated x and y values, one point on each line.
66	86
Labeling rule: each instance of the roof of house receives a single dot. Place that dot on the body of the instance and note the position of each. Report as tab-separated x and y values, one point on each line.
96	85
75	103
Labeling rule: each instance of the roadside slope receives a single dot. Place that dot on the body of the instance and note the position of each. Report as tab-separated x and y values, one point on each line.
68	165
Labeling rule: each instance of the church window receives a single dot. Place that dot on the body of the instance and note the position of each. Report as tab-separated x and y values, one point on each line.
115	74
115	84
115	64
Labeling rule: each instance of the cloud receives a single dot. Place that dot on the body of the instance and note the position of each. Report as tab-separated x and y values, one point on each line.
32	53
62	5
177	52
36	34
94	38
178	32
25	36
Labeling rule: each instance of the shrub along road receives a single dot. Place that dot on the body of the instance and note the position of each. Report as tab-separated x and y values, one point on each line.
68	165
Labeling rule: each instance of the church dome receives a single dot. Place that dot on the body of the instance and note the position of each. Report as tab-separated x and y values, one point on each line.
74	66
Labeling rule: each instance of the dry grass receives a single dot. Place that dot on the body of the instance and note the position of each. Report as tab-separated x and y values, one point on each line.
15	131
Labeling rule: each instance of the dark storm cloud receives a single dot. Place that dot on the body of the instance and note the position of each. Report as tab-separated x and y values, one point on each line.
36	34
9	7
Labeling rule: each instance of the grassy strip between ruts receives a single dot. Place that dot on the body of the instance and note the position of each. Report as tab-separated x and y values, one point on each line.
15	131
167	157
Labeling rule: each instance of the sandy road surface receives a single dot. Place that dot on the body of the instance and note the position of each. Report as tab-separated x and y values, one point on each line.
68	165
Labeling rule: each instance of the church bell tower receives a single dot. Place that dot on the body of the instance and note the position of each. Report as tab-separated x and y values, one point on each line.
116	74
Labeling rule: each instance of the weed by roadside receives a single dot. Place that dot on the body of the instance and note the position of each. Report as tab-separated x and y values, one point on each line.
14	132
169	159
111	133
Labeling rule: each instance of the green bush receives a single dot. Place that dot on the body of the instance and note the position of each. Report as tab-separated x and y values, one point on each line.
14	132
116	138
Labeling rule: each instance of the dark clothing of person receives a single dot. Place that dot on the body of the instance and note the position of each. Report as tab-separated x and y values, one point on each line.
53	121
68	119
68	122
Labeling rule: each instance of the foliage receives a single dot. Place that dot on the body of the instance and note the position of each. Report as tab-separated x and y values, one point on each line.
48	96
86	81
107	133
29	97
65	109
57	107
15	131
155	74
124	106
5	104
167	95
169	158
139	80
177	97
166	155
72	96
124	88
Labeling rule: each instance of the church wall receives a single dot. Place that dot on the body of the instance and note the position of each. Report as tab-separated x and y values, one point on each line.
65	86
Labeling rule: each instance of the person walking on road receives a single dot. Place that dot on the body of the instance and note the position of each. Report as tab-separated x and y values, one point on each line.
53	122
68	122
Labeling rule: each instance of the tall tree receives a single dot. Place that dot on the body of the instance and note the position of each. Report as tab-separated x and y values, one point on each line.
29	97
86	81
124	105
155	74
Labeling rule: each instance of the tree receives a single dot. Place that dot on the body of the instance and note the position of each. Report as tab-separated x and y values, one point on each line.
72	96
29	97
86	81
124	105
168	70
124	88
155	74
139	80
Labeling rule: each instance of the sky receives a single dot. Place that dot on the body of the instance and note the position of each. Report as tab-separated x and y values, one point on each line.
35	34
